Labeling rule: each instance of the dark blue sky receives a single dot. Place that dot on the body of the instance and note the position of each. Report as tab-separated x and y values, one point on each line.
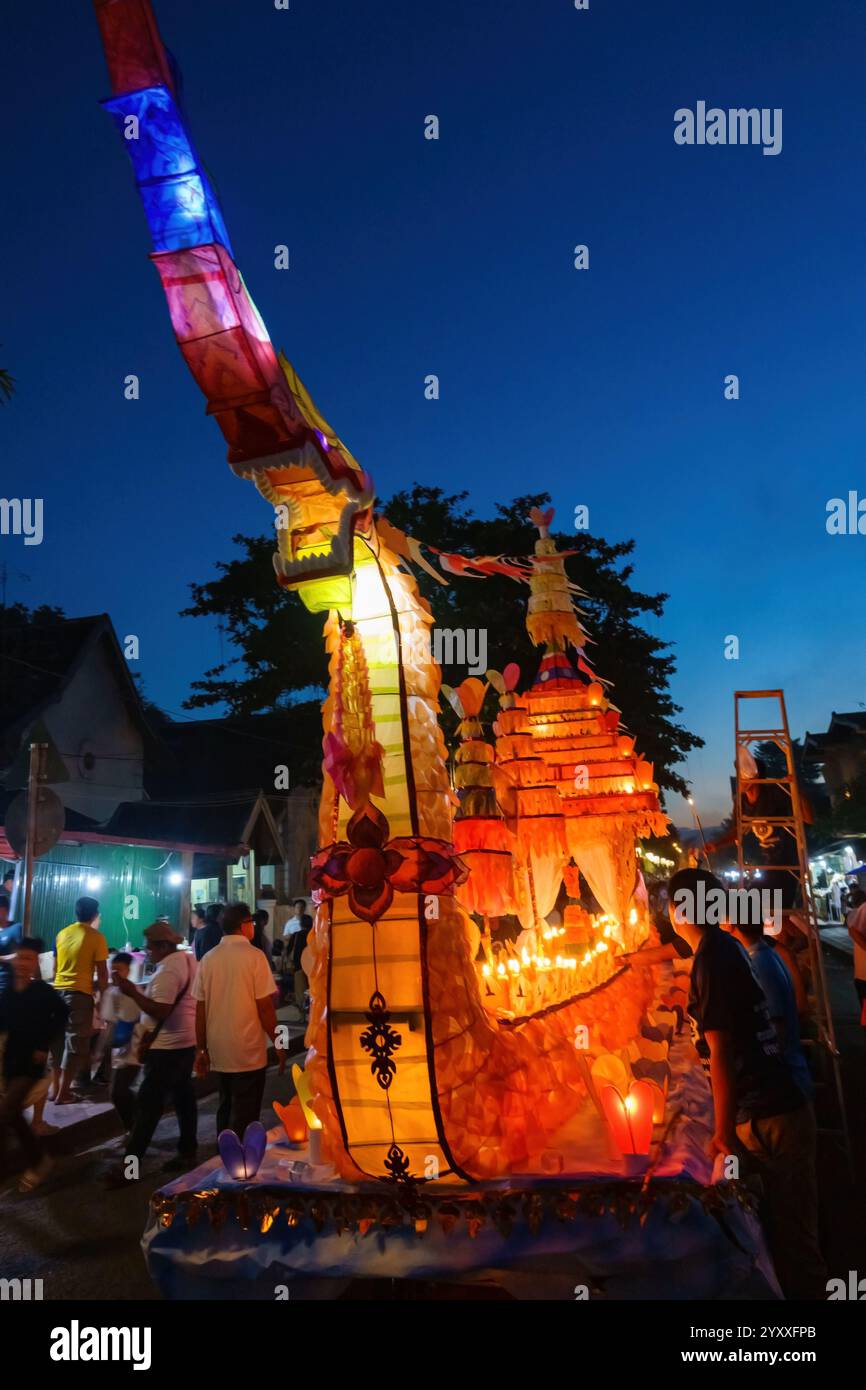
411	257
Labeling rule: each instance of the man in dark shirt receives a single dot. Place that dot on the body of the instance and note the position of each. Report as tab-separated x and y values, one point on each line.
210	934
727	999
197	919
760	1111
32	1014
296	932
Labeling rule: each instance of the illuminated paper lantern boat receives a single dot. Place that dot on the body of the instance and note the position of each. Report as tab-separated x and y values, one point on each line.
404	1064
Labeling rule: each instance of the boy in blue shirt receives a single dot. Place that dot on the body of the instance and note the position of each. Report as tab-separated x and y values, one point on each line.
773	976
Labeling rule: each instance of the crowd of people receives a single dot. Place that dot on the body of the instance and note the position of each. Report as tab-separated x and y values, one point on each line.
209	1005
749	1014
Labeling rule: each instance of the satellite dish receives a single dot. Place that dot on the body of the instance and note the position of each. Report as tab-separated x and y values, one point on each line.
50	822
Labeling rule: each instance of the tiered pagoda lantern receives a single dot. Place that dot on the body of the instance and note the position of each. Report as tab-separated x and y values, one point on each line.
607	792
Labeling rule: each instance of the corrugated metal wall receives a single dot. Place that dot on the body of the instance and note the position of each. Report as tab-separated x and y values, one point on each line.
134	889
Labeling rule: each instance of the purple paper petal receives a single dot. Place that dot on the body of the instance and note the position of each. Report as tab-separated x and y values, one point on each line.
231	1153
255	1143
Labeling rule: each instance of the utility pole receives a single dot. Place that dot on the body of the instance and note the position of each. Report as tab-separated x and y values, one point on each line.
37	752
700	828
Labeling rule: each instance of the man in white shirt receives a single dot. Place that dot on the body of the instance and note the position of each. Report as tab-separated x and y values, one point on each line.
300	920
168	1048
235	1015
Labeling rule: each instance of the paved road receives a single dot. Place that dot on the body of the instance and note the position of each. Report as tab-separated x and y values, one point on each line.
843	1210
83	1241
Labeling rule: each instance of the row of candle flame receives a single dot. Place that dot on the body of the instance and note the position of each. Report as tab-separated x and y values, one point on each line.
526	981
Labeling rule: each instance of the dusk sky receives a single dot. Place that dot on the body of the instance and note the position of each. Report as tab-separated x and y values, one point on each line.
455	257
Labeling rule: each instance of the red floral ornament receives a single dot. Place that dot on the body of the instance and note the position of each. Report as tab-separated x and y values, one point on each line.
370	868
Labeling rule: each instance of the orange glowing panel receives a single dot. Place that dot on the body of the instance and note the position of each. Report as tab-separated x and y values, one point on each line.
629	1117
293	1121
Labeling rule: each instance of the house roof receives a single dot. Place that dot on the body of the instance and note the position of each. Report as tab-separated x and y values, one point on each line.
844	728
238	753
226	827
41	659
221	825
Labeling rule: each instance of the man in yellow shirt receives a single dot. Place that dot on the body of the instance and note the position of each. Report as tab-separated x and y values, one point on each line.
80	950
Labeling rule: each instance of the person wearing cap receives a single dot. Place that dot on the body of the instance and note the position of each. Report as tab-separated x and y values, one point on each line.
167	1049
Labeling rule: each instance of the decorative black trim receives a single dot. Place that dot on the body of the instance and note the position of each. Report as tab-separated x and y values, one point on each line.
397	1166
332	1069
381	1040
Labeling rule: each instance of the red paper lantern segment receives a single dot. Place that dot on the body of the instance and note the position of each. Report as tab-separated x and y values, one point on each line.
630	1117
511	675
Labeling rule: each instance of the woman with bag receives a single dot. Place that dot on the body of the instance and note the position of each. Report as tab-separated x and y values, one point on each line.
167	1052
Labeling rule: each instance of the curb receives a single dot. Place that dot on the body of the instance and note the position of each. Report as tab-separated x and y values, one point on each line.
93	1129
845	952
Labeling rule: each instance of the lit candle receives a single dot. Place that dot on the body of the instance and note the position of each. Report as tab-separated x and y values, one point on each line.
315	1154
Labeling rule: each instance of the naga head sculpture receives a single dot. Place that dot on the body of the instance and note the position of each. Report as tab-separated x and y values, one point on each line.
320	502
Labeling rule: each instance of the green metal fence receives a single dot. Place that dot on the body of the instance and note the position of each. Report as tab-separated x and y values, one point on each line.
132	884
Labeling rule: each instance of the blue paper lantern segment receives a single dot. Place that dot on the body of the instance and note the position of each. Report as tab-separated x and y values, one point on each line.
181	207
159	146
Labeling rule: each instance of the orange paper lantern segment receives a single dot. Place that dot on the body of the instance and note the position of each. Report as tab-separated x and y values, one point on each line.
644	772
472	692
293	1122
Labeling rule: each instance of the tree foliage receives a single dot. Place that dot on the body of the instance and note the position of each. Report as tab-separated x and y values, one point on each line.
7	385
279	660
